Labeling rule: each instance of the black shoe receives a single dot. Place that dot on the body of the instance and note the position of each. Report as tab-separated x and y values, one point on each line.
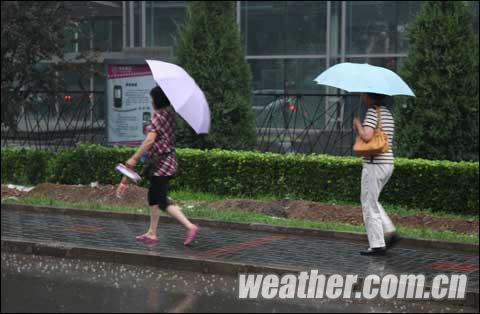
392	240
374	252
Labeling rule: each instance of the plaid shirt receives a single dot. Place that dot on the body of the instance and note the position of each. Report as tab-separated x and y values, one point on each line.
163	123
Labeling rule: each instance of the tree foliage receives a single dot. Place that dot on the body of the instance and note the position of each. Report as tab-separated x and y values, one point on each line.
442	69
209	48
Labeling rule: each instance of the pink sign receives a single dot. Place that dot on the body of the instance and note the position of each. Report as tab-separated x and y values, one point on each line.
119	71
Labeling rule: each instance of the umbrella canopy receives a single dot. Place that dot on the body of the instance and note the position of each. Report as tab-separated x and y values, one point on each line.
184	94
364	78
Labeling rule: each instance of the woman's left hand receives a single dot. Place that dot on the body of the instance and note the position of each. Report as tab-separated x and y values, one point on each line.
131	163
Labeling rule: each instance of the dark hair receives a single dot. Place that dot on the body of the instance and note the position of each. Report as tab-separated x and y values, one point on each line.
160	100
378	98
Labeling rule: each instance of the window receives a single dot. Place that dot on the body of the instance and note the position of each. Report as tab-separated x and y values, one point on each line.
107	34
407	13
379	27
99	26
284	27
162	18
305	27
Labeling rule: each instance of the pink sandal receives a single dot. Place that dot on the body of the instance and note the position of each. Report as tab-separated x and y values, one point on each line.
191	235
144	238
140	237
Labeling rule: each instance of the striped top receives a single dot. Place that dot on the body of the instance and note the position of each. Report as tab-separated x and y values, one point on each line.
388	126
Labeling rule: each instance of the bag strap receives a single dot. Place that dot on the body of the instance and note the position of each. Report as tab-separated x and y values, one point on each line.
379	117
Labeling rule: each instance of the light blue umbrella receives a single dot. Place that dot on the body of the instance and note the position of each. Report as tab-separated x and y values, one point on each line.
364	78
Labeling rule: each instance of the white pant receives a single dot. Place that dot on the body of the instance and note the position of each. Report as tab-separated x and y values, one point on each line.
377	222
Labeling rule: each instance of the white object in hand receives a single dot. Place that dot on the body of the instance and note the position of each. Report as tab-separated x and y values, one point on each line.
129	173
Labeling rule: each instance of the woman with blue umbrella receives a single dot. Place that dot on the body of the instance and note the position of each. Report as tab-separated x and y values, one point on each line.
374	141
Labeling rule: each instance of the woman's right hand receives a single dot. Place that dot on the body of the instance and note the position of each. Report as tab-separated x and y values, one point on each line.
131	163
356	122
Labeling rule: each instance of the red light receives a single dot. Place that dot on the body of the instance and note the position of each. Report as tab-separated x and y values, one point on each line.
67	97
292	107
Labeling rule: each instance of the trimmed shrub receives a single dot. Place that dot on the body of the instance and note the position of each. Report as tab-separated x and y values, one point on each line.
442	122
209	47
425	184
25	166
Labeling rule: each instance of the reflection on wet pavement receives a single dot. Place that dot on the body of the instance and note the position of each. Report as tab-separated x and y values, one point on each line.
45	284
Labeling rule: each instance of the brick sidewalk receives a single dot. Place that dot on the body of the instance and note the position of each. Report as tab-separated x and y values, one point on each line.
236	246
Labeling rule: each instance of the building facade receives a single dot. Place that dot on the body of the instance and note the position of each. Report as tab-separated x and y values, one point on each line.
287	44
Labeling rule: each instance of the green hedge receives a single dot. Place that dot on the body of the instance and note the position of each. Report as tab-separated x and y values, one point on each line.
25	166
437	185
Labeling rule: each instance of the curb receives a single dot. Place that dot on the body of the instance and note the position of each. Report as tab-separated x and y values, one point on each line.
132	257
309	232
151	259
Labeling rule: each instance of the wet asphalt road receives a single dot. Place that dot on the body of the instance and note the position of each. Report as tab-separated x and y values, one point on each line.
43	284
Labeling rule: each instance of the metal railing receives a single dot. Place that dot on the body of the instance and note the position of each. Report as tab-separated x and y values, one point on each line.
53	121
305	123
286	123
